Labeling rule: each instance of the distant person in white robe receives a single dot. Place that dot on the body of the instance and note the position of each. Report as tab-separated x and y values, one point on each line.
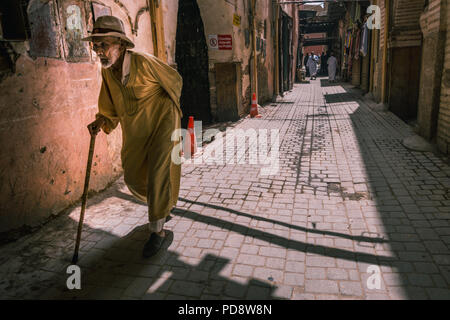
332	67
312	66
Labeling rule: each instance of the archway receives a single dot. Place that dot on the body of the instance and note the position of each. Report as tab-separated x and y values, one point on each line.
192	60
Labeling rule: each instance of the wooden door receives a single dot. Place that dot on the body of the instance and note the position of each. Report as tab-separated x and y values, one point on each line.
404	82
228	91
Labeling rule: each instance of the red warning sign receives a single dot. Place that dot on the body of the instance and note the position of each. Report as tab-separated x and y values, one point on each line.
225	42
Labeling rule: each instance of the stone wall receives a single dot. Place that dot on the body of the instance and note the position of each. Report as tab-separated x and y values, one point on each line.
443	134
431	73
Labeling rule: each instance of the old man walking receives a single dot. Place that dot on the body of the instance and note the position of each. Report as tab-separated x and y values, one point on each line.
142	93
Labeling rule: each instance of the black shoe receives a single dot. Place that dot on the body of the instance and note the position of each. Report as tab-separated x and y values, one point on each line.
153	245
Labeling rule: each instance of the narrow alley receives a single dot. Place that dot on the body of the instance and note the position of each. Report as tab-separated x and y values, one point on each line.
348	196
215	150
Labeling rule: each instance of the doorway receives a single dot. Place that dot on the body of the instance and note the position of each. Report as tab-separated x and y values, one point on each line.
286	58
404	82
191	56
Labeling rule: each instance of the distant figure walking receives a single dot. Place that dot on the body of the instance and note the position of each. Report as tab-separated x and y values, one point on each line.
312	66
332	66
323	64
305	63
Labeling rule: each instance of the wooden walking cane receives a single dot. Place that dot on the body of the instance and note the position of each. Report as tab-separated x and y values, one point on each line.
84	197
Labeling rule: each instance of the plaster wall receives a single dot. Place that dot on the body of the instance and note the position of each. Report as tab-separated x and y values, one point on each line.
45	106
218	19
316	49
170	18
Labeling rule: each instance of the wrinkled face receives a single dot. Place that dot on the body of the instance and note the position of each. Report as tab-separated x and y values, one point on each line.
108	50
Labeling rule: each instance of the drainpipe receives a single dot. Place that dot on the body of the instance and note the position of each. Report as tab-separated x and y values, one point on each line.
372	56
277	52
387	4
255	67
294	44
157	26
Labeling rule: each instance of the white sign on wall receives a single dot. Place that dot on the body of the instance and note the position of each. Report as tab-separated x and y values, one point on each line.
213	41
73	18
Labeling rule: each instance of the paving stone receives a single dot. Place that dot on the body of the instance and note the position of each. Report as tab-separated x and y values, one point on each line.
295	266
186	288
272	252
346	264
422	280
397	293
229	253
192	252
275	263
283	292
252	260
294	279
303	296
376	296
350	288
315	273
353	275
235	290
154	296
105	293
393	279
234	241
320	262
258	293
138	287
426	267
321	286
437	247
206	243
416	293
438	293
242	270
337	274
266	274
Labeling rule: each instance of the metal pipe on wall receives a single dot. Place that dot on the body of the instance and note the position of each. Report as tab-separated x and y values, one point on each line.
387	4
255	65
277	51
372	57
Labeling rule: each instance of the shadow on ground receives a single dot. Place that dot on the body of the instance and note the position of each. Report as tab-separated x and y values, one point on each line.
113	267
409	189
326	83
413	233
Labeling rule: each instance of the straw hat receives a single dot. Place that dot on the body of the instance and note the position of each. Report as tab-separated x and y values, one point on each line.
109	26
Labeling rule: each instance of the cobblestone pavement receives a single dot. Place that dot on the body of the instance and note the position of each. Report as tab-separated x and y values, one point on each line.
347	196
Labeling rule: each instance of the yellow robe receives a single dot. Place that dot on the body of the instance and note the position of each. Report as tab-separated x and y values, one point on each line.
148	109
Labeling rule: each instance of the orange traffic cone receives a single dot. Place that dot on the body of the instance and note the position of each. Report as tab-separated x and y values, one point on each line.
254	109
190	142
